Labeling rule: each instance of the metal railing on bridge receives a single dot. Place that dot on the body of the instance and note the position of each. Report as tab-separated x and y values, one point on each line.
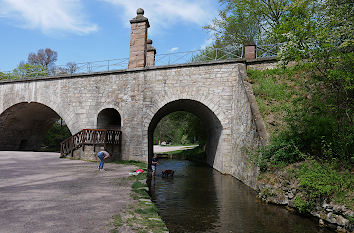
267	50
188	57
93	137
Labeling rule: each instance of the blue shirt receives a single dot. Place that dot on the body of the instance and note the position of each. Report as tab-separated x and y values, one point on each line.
154	160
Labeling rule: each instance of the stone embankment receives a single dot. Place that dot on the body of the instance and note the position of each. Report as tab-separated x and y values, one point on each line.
329	214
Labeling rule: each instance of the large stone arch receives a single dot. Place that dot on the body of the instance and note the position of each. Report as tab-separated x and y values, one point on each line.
24	125
211	101
205	108
27	93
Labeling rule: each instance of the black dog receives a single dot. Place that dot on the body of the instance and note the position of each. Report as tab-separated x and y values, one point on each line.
166	173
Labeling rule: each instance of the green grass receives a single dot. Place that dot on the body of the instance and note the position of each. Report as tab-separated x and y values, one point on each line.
142	215
322	182
118	222
279	94
274	91
139	164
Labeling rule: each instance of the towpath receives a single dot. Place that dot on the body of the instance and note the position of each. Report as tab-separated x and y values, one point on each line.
162	149
41	193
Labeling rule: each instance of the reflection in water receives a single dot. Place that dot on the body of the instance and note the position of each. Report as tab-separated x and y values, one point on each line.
200	199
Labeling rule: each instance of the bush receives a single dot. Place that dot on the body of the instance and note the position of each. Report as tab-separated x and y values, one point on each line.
281	152
322	182
55	136
302	205
303	115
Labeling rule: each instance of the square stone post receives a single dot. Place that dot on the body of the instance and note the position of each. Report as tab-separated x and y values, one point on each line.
150	54
138	37
250	51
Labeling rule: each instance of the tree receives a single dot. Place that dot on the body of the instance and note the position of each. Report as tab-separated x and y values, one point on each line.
319	36
243	21
180	128
72	67
27	70
45	58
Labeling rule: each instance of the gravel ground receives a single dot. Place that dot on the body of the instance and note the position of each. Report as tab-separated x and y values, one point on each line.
41	193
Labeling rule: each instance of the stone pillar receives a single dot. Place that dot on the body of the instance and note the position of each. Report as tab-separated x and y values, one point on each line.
250	51
138	37
150	54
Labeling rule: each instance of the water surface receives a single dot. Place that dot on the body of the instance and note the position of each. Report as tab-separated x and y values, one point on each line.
200	199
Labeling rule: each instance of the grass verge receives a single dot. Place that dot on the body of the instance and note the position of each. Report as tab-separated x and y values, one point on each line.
142	215
140	165
313	176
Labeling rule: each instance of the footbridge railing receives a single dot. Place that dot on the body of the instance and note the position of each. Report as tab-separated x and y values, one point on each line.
93	137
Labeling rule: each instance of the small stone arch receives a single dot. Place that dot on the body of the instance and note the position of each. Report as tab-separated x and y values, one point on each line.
109	118
25	124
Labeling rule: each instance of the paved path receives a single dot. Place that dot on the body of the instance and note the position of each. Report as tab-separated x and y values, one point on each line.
41	193
162	149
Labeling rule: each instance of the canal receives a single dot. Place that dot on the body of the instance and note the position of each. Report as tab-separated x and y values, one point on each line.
200	199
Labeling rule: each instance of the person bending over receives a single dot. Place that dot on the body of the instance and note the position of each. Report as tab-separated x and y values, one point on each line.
102	155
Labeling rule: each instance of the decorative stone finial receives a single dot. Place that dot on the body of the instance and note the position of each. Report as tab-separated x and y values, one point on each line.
149	41
140	17
140	11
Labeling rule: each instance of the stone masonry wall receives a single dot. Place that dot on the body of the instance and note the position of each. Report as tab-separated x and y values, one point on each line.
138	94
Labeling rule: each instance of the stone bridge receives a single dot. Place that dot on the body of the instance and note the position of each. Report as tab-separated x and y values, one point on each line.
135	100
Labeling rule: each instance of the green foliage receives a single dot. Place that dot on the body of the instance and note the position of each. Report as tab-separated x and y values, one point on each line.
303	115
320	181
180	128
218	51
55	136
25	70
118	220
302	205
140	165
319	131
269	88
141	216
321	33
6	76
242	21
317	117
323	182
30	71
282	151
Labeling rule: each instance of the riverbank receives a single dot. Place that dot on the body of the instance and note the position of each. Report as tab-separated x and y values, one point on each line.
141	215
311	190
307	164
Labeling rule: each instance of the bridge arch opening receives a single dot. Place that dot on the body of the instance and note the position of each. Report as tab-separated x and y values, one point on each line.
24	126
213	126
109	118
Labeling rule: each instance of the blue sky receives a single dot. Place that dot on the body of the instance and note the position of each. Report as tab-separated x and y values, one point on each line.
91	30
